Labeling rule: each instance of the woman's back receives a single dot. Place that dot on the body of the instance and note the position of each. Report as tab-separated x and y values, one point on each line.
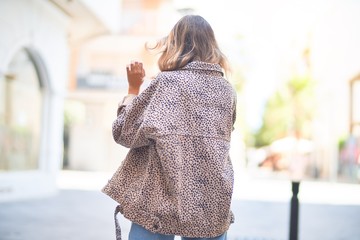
194	100
184	177
177	178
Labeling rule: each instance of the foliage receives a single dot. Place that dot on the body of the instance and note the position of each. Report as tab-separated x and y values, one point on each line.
289	111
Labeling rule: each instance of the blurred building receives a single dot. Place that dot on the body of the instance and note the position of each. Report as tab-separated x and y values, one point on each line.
35	54
98	82
61	56
98	77
335	61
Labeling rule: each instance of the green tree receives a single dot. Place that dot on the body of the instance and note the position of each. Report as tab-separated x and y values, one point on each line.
289	111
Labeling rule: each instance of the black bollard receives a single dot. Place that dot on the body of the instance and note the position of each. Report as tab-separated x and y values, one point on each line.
294	211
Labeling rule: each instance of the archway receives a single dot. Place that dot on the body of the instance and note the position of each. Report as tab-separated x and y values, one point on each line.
22	104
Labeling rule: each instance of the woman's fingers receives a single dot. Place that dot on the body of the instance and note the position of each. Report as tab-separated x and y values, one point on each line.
135	68
135	73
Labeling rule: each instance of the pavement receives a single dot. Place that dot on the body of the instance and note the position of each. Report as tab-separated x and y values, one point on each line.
328	211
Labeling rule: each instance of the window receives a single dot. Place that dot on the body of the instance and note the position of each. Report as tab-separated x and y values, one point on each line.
355	107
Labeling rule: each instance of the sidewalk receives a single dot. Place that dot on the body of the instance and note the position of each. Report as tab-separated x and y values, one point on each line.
81	212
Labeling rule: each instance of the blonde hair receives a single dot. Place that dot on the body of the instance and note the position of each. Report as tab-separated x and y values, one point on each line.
191	39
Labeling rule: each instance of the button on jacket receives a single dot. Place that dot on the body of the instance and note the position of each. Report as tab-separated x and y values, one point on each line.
177	177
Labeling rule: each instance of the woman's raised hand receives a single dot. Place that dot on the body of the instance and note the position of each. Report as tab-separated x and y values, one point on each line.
135	75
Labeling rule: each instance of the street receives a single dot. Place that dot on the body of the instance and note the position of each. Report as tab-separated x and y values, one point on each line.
87	214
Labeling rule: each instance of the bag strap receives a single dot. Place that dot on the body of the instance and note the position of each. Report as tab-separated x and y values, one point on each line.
117	225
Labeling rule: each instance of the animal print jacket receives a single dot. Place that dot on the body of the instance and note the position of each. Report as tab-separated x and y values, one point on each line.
177	177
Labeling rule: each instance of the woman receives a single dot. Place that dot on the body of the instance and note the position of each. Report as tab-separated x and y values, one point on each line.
177	178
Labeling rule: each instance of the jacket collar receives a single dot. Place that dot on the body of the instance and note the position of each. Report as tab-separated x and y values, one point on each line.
197	65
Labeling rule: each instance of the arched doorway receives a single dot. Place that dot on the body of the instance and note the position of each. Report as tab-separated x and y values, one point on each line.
21	112
25	126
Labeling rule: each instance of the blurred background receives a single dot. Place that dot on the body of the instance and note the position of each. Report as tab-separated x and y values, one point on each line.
295	67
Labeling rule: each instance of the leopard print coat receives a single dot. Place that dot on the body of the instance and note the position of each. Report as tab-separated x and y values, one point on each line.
177	177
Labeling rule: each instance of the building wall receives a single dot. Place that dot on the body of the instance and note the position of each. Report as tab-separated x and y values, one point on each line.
91	146
41	27
335	61
106	56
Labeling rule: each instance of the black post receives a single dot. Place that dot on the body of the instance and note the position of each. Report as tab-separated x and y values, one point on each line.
294	211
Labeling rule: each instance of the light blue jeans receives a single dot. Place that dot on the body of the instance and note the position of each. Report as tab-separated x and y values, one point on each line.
137	232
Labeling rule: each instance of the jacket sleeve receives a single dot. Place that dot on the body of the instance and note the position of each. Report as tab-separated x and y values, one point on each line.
129	128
